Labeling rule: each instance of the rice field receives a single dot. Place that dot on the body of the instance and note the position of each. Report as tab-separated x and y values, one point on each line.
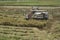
13	26
30	2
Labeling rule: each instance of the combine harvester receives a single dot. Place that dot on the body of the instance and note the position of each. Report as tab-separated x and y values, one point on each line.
38	14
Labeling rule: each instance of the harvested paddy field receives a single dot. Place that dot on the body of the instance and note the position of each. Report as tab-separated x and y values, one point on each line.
22	33
13	25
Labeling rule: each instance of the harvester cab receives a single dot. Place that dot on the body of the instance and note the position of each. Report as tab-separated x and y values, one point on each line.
37	14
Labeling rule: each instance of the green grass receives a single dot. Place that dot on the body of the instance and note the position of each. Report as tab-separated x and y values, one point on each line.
42	2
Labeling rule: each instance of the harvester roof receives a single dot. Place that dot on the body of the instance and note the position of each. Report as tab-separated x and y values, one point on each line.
39	10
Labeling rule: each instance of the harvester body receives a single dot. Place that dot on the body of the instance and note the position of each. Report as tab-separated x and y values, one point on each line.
37	14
